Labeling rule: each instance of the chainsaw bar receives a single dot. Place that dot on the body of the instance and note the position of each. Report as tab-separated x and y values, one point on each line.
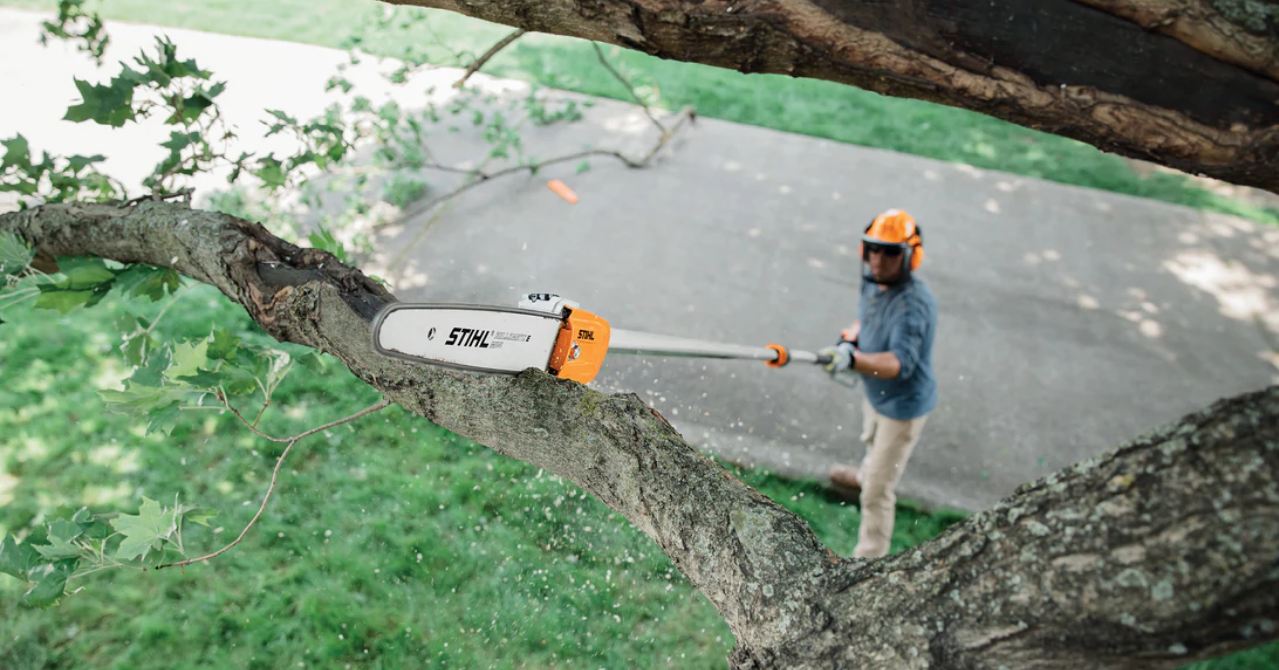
487	338
555	335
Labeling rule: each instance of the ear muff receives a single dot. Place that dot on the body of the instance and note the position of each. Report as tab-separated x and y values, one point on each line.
916	243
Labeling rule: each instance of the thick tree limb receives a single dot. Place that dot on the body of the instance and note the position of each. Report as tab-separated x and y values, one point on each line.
1241	33
1159	553
736	546
1056	65
1162	552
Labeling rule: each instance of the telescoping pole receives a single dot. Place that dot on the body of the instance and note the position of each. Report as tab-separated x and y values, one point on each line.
774	355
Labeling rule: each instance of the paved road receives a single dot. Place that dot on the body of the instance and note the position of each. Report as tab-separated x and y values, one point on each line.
1071	319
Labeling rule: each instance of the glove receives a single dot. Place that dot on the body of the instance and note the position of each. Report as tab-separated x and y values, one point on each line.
841	357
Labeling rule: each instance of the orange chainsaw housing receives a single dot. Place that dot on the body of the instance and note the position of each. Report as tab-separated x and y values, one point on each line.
581	346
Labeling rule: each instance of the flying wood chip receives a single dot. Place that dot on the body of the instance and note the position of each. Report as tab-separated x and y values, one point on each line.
562	190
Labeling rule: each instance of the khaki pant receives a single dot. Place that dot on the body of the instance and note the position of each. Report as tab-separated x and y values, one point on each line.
888	446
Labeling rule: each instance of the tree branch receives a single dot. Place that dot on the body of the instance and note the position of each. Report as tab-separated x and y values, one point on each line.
275	473
599	54
480	177
744	552
1203	25
1160	553
1121	88
488	55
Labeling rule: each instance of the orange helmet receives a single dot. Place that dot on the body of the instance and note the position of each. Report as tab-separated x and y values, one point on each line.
895	228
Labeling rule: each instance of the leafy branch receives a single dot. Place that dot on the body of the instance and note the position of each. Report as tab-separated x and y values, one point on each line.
74	24
275	473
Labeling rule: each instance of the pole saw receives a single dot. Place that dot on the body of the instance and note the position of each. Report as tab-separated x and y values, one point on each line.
545	332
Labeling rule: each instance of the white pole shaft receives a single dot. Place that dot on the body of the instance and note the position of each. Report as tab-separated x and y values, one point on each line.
635	342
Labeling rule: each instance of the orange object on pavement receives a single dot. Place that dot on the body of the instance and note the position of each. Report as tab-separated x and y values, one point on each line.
562	190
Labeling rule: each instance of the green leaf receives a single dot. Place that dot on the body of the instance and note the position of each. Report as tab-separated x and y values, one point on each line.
235	379
271	172
136	347
188	358
337	81
50	585
17	559
179	140
151	374
162	419
188	109
85	281
283	117
158	405
17	153
324	239
110	105
64	530
197	515
205	379
76	163
62	301
583	167
58	549
144	531
161	72
15	255
146	281
223	344
313	361
281	363
84	273
91	527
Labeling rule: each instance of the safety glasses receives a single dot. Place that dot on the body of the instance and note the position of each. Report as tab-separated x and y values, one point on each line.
886	249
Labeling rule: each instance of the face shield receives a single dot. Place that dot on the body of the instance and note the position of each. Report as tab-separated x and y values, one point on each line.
885	263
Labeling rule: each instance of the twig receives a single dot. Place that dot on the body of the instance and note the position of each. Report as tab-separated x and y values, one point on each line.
275	474
686	114
629	88
481	177
164	310
184	193
484	58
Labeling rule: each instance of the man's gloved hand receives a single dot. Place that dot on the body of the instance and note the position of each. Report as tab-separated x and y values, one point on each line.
841	357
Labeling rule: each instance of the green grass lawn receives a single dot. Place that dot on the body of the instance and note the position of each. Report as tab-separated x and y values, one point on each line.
810	107
390	543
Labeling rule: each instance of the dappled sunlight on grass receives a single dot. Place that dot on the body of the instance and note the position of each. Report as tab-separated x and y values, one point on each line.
389	541
7	484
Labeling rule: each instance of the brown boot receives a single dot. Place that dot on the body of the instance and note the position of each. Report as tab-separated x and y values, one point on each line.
845	480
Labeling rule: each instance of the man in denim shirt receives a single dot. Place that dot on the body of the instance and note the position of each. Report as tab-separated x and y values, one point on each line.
890	346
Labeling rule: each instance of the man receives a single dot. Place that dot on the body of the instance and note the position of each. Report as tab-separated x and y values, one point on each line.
890	346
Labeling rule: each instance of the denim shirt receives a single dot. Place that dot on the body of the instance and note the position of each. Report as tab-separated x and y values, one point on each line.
903	320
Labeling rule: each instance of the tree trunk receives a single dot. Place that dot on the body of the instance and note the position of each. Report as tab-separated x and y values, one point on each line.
1159	553
1190	84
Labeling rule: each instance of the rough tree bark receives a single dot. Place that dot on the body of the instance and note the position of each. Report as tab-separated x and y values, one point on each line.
1191	84
1158	553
